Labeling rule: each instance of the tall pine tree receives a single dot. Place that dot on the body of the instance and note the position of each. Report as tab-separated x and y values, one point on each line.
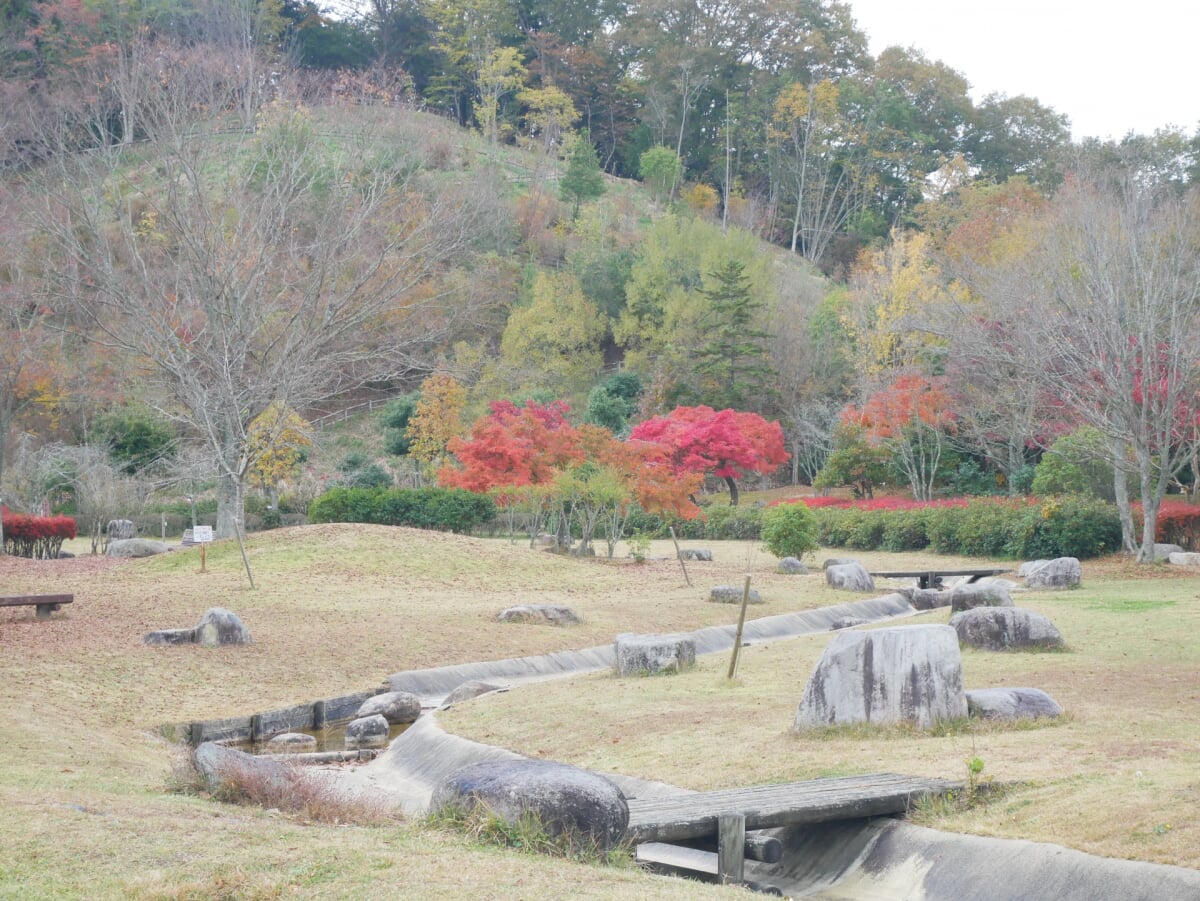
734	361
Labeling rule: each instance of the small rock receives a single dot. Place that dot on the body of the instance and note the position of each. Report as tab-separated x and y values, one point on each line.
540	614
1012	704
731	594
791	566
394	706
848	622
700	554
219	626
170	636
367	732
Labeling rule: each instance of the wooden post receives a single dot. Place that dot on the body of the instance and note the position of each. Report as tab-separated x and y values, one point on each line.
203	548
737	638
679	557
256	728
731	839
318	715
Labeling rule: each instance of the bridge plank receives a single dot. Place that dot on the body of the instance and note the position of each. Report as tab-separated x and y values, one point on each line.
695	815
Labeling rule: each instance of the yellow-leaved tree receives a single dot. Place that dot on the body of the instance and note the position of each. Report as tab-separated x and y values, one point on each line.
437	417
278	440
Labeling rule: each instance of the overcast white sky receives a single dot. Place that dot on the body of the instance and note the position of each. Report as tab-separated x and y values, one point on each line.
1112	68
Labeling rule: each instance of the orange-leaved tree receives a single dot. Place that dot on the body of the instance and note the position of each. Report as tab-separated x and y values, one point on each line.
913	419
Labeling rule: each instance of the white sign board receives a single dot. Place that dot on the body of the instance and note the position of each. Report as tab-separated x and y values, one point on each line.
202	534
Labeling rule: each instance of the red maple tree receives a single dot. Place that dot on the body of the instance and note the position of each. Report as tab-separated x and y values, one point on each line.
726	443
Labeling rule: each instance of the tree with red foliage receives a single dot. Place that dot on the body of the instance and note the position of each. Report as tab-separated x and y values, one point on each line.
912	418
726	443
513	446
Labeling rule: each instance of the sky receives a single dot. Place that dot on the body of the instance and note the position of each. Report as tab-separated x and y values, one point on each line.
1111	68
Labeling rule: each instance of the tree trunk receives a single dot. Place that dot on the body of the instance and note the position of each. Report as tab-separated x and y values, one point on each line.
733	491
229	505
1121	495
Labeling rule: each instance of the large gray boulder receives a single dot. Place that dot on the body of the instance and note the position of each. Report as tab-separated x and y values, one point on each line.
136	547
396	707
976	594
1005	629
925	598
540	614
219	626
1164	551
647	655
907	674
219	765
566	801
367	732
732	594
1012	704
1064	572
1028	567
849	577
123	530
791	566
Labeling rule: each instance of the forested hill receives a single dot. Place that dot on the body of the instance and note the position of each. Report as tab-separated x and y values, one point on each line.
228	212
774	107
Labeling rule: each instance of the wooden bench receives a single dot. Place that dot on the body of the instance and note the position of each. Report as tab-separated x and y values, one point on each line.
45	603
932	578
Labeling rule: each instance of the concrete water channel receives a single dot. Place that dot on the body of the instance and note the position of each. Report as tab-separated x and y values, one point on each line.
868	858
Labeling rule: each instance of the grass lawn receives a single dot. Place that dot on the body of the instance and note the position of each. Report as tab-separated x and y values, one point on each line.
83	773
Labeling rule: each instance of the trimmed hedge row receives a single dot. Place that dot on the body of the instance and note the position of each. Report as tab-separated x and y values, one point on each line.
38	537
440	509
984	527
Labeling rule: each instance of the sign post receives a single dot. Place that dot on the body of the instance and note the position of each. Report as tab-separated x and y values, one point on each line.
202	535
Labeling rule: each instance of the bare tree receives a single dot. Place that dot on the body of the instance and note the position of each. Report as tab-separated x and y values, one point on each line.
249	270
1121	322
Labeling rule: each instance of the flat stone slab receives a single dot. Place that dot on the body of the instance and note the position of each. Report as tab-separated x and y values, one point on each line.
1183	558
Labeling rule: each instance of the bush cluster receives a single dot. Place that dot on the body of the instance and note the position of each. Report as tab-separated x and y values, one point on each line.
720	523
983	527
440	509
38	537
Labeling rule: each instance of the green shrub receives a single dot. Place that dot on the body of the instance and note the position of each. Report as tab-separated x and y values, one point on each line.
1070	527
723	523
790	530
905	530
441	509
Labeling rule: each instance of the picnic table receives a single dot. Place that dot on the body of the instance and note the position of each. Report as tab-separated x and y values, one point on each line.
933	578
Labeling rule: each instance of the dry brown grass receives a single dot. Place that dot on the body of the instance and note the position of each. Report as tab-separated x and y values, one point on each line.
82	775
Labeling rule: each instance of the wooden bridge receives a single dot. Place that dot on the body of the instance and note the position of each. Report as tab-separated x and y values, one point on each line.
731	814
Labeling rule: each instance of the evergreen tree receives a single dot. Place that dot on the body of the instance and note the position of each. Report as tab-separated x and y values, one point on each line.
734	359
583	179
